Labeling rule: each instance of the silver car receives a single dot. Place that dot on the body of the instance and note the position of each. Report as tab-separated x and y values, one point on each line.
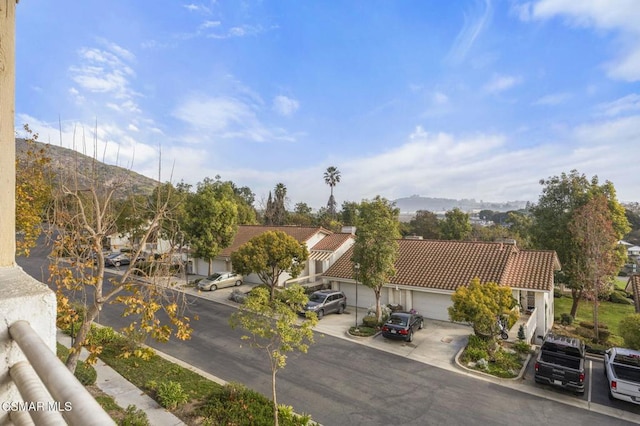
220	280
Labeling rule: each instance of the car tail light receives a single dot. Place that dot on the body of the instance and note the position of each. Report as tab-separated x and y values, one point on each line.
385	328
537	366
614	385
403	332
581	377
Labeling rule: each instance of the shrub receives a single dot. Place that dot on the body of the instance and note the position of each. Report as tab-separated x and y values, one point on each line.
370	321
620	297
522	347
591	326
475	354
237	405
557	293
507	361
85	373
133	416
521	333
477	342
170	394
630	331
100	336
566	319
386	312
584	332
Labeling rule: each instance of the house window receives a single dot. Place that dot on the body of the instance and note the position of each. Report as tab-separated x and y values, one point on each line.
531	300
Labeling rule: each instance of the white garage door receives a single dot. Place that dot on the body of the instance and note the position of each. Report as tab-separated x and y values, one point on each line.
432	305
366	297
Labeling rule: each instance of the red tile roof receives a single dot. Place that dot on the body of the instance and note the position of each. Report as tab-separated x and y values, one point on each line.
332	242
247	232
447	265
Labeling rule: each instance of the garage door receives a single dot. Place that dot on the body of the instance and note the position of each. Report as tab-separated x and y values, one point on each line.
432	305
366	297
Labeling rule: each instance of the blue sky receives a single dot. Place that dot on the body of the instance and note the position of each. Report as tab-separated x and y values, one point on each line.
458	99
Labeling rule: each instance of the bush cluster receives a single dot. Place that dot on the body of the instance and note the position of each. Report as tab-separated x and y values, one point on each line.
630	331
566	319
619	296
133	416
234	404
169	394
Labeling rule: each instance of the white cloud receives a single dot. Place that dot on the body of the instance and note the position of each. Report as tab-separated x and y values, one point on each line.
440	98
500	83
474	23
553	99
228	117
627	103
621	16
285	106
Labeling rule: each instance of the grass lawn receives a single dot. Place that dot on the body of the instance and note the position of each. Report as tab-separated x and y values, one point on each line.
608	313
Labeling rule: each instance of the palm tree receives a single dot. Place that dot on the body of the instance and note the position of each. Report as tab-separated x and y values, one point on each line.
331	178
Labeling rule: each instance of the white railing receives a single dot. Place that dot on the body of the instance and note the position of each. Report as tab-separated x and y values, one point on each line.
71	400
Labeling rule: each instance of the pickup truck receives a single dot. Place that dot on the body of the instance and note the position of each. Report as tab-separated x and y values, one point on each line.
622	368
560	363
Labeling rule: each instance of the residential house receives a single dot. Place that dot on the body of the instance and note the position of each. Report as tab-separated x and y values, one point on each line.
428	272
633	287
324	248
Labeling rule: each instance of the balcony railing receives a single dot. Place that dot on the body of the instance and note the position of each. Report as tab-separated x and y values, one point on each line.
63	399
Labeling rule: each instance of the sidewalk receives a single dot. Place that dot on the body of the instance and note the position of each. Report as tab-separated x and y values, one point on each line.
125	393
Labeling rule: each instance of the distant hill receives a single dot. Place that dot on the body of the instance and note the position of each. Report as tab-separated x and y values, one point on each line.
66	162
415	202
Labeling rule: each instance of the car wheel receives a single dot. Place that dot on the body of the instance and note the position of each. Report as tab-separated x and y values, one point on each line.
340	309
421	325
213	287
320	314
238	283
410	336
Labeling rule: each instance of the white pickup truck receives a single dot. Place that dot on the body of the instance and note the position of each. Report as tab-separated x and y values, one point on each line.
622	367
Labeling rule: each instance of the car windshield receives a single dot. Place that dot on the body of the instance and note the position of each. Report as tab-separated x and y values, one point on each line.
317	298
213	277
113	255
397	321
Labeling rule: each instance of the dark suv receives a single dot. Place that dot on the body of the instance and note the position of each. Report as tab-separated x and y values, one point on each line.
326	301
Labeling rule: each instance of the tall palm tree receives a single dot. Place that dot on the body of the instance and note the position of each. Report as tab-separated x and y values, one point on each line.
331	178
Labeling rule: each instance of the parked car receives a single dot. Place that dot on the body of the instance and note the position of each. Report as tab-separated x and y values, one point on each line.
561	363
220	280
324	302
622	368
117	259
402	325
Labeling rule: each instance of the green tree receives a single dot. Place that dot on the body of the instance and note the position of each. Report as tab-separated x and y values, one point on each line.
425	224
276	211
376	246
630	331
561	197
519	226
332	178
269	255
481	304
272	324
349	213
456	225
211	219
302	215
593	231
33	193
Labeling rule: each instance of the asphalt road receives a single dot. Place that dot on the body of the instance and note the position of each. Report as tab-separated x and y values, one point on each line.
339	382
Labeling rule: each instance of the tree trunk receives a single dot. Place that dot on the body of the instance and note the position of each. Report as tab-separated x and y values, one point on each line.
378	307
595	313
273	395
576	294
209	268
83	332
